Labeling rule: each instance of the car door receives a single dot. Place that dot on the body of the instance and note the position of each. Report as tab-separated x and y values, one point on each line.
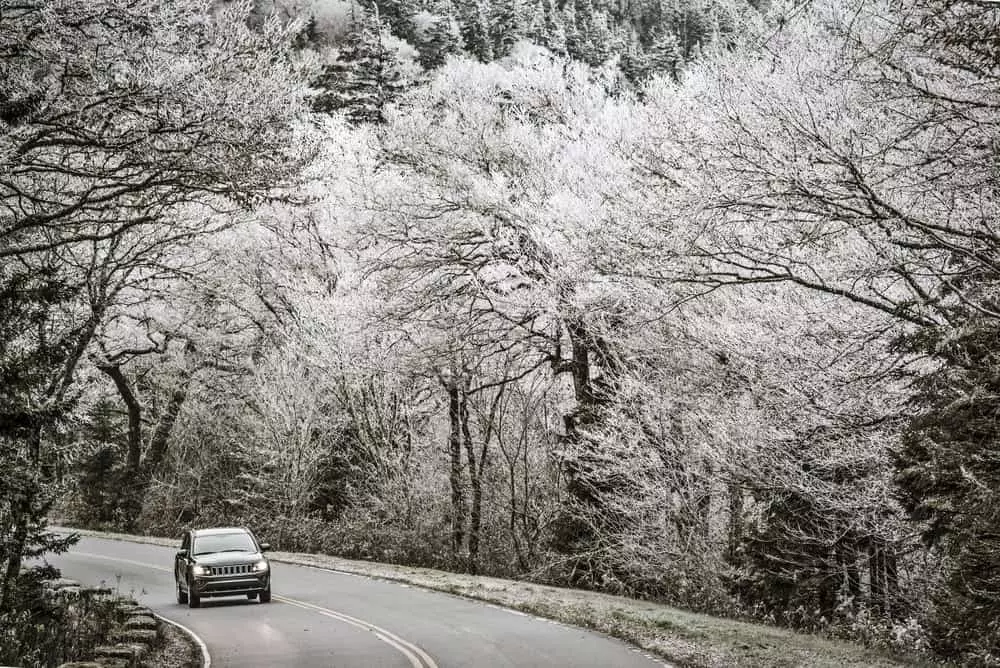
180	560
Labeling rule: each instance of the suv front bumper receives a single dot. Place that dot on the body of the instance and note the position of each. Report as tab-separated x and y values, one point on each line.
207	586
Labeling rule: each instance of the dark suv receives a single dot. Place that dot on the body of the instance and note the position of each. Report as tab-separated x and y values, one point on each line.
221	562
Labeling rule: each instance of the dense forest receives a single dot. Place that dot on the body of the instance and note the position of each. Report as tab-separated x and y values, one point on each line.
695	301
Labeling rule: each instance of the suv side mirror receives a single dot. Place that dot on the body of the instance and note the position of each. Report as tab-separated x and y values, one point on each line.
264	547
181	554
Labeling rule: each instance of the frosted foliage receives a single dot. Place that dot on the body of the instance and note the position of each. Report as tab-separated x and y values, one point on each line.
295	427
516	146
817	163
423	21
190	141
405	54
332	17
720	398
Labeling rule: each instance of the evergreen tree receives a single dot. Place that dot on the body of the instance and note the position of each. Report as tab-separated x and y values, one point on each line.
664	55
100	479
574	39
474	28
33	352
397	14
691	24
364	77
634	63
553	35
949	477
806	559
949	463
506	26
440	41
600	44
533	18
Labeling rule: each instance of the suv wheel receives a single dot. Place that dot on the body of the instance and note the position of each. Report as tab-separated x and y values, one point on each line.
265	596
193	599
182	596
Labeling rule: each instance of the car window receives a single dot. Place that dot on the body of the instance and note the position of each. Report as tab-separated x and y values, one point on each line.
223	542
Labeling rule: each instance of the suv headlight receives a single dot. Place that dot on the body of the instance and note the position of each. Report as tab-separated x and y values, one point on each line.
260	566
198	569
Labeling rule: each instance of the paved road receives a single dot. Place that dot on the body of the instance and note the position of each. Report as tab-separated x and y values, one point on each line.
325	618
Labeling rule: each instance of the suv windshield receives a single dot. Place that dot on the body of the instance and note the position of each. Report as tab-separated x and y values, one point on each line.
223	542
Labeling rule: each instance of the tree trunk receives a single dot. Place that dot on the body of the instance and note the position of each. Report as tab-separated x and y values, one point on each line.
705	504
22	512
476	483
883	576
891	582
735	532
84	336
456	479
134	441
876	575
581	365
161	437
852	573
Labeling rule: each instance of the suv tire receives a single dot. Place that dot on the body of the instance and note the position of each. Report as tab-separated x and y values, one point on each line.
265	596
182	596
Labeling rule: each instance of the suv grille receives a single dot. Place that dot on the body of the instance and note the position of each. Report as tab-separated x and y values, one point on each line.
230	570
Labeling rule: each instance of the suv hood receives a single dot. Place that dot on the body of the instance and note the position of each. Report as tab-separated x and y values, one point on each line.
220	558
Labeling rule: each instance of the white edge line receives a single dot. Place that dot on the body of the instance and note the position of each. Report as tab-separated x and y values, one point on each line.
206	658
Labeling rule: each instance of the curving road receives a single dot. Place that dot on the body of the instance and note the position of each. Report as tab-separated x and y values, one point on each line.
326	618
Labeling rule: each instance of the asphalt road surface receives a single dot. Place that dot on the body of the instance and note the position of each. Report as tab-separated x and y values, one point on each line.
325	618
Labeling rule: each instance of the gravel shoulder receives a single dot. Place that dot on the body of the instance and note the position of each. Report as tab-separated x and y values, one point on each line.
678	636
176	649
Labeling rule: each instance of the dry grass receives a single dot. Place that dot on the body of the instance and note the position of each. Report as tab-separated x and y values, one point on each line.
681	637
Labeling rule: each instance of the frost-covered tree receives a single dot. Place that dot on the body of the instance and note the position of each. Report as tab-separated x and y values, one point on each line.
474	22
364	78
508	24
146	136
491	225
852	157
552	34
440	39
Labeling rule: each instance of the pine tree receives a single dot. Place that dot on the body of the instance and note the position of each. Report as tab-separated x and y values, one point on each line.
474	28
440	41
600	45
554	32
533	17
363	79
506	26
30	358
634	63
397	14
573	37
691	25
664	54
949	478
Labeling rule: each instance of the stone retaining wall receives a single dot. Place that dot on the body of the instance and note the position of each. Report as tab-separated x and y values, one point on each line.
134	635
